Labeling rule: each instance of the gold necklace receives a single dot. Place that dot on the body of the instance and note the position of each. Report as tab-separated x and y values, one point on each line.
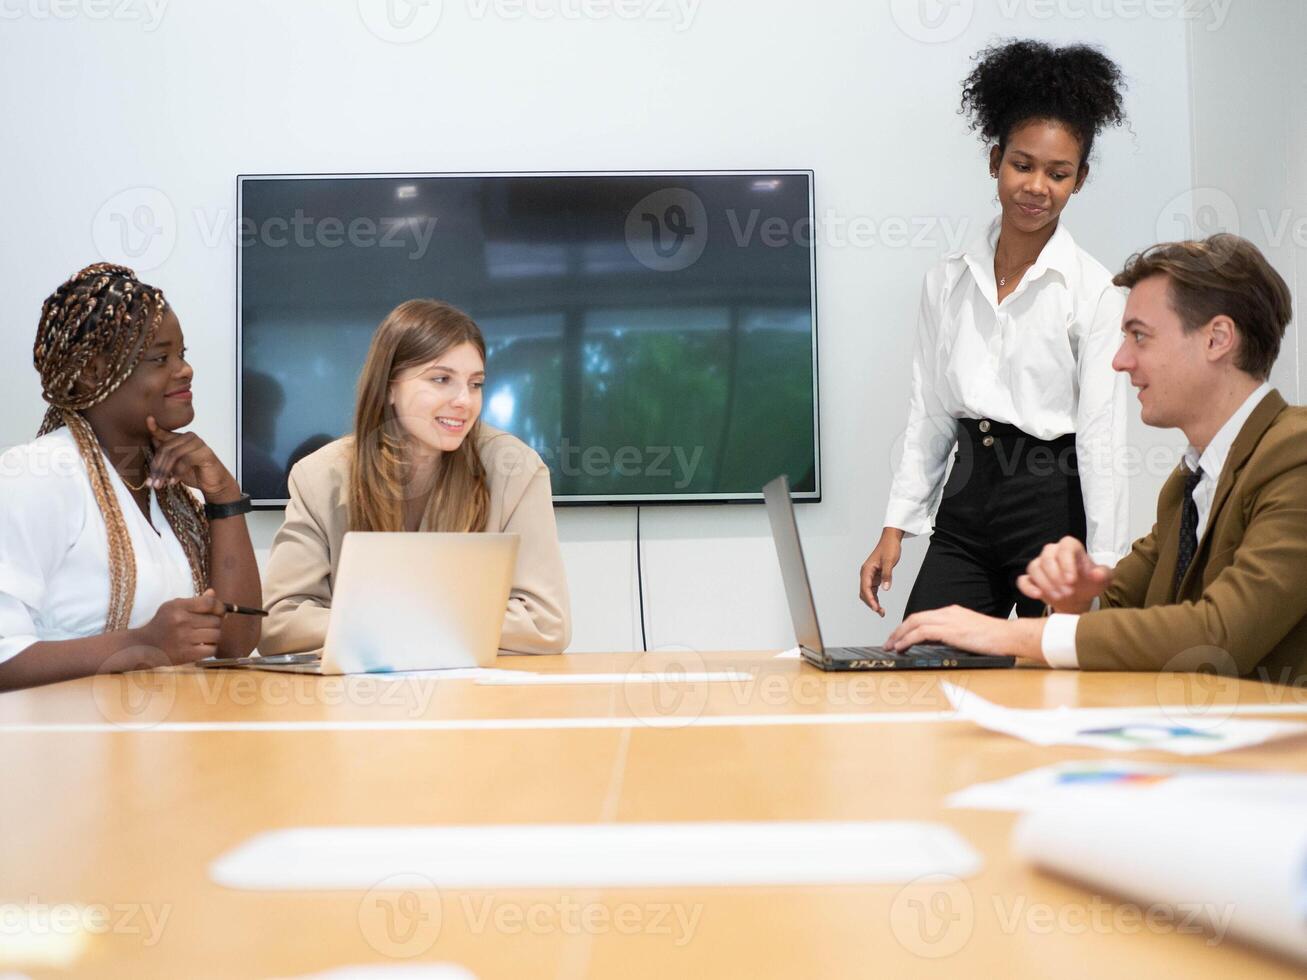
149	457
1003	279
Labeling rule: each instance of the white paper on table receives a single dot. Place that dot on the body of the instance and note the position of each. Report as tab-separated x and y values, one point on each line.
791	654
434	674
618	855
1102	728
510	678
391	971
36	941
1234	864
1075	782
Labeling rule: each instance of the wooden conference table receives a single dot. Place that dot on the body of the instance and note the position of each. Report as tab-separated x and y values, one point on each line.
119	791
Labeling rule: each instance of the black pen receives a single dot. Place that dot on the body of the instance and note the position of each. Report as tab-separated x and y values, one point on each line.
231	607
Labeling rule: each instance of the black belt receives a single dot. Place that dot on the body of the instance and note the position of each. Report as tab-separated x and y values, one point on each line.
987	432
1003	450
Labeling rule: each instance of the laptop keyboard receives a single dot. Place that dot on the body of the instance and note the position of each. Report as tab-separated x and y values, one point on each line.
916	650
919	656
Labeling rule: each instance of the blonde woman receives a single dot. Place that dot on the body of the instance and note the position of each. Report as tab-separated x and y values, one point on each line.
121	539
419	459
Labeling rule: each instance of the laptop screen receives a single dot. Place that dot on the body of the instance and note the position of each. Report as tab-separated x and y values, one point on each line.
794	573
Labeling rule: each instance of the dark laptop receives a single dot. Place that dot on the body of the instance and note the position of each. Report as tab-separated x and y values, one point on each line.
803	611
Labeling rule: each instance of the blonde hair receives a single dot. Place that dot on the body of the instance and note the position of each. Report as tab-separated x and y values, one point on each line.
413	333
105	311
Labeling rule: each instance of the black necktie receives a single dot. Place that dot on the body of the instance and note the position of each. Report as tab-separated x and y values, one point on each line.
1188	527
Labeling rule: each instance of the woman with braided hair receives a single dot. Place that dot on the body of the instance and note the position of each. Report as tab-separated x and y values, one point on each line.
1013	361
117	532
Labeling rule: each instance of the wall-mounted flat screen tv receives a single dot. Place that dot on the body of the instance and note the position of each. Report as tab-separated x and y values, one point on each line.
651	335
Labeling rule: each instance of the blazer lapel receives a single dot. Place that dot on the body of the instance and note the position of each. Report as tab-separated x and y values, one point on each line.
1244	444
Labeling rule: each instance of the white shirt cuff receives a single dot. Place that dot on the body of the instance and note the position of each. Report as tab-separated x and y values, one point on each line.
910	519
17	628
1059	641
12	646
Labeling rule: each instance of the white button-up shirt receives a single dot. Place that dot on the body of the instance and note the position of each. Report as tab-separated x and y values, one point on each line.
1040	360
54	550
1059	640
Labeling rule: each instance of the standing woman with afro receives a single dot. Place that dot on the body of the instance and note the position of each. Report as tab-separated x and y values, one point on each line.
120	537
1013	359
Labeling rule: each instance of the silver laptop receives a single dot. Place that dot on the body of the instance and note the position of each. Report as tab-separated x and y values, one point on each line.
803	610
409	601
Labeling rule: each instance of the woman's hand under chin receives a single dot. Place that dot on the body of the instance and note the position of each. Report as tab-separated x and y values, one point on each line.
183	457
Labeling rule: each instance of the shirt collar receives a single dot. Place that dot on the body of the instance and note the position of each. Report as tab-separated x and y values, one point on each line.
1058	254
1213	457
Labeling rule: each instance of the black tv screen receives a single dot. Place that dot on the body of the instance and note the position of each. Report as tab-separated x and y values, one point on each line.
651	335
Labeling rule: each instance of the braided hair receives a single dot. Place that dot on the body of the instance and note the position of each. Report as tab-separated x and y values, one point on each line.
1014	81
105	311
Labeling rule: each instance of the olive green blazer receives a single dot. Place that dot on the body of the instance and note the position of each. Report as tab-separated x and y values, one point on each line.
306	551
1242	604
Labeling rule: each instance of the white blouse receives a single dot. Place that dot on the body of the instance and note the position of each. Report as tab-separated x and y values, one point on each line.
1040	360
54	549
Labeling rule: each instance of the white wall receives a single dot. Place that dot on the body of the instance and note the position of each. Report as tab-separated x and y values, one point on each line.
864	93
1249	83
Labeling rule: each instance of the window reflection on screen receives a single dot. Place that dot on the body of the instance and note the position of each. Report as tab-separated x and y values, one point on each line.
651	336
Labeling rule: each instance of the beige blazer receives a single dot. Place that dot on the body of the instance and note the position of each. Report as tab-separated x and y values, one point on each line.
305	553
1242	604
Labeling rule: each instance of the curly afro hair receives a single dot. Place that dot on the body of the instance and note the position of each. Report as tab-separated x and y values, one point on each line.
1015	81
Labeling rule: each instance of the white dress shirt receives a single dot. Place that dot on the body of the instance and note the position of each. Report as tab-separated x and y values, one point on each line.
1059	640
54	549
1040	360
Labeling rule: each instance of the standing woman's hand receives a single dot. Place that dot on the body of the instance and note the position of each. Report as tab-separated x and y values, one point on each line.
878	569
183	457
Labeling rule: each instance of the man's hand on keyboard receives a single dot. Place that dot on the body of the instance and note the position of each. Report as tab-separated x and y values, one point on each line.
970	630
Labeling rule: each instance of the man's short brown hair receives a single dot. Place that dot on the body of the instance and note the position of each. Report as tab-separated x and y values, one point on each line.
1221	275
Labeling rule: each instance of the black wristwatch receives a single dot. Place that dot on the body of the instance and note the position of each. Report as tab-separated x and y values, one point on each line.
216	512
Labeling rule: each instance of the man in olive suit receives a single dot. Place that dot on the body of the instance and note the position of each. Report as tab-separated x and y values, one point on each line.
1221	580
